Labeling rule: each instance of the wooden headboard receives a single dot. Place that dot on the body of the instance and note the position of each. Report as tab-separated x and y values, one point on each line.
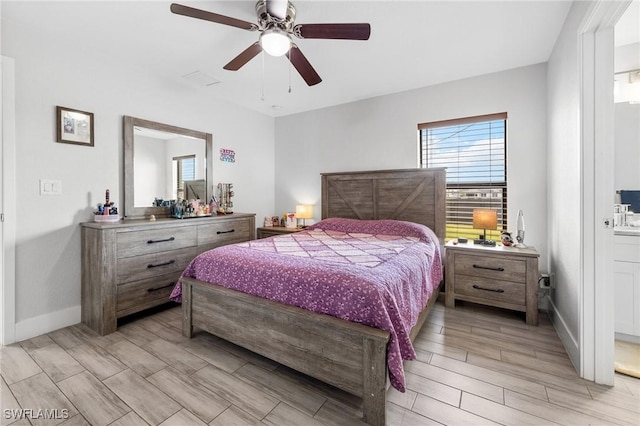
413	195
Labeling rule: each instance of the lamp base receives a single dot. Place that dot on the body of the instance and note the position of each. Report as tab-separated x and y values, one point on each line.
484	242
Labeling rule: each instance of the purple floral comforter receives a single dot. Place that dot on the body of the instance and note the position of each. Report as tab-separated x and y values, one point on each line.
376	272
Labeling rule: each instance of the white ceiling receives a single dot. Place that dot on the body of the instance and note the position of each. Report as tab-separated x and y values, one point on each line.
413	44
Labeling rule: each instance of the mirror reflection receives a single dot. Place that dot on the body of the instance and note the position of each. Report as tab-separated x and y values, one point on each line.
176	162
163	163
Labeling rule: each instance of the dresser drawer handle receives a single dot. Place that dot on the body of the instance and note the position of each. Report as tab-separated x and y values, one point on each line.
171	262
489	268
161	241
225	232
151	290
477	287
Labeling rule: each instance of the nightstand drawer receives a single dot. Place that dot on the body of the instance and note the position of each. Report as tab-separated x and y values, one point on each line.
495	268
268	231
490	289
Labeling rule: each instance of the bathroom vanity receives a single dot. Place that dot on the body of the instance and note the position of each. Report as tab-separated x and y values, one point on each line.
626	268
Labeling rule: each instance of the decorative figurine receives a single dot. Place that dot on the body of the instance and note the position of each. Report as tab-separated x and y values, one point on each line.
506	238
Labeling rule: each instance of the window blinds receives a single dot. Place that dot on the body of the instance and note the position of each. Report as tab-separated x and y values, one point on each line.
473	149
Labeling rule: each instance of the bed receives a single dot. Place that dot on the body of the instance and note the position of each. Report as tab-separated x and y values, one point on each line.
349	355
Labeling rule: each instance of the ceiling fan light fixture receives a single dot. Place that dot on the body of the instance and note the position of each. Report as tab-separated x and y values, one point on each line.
275	42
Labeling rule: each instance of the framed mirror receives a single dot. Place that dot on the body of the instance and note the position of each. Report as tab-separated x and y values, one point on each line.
164	163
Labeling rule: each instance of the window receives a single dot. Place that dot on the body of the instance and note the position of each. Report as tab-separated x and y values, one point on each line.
473	150
184	169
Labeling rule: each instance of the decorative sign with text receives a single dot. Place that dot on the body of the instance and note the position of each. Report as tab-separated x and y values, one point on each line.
227	155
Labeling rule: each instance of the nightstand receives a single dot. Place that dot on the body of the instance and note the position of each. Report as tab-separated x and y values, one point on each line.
505	277
270	231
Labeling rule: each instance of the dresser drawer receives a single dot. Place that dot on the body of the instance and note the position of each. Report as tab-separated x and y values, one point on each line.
497	268
151	265
155	240
138	295
224	232
490	289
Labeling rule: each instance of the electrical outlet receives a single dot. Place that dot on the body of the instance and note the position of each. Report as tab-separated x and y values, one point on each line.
545	281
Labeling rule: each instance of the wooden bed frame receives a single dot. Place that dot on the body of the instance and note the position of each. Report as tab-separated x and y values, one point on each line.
347	355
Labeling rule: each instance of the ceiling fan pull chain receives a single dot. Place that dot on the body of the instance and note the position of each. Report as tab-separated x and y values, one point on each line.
263	76
289	69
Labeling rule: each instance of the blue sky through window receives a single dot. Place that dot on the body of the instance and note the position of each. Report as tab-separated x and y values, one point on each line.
471	152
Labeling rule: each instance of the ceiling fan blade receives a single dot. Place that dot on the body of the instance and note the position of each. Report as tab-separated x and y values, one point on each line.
303	66
248	54
191	12
333	31
277	8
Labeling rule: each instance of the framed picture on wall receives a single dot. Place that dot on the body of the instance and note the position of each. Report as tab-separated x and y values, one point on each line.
74	126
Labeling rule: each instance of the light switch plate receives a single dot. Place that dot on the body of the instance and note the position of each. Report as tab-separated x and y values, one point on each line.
50	187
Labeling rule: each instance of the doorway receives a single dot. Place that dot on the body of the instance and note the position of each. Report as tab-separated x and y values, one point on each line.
627	181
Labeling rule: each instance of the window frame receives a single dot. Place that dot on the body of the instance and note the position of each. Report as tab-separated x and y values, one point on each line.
454	228
180	190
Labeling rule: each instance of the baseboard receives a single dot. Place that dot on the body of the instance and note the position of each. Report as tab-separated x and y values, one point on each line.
568	340
629	338
43	324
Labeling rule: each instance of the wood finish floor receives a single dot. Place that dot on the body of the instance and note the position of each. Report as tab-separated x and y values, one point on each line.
475	365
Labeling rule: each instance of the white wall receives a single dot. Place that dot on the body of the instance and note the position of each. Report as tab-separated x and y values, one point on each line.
149	160
381	133
627	131
627	147
627	58
564	180
52	71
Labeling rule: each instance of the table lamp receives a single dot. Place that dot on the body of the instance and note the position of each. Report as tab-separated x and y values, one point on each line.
485	219
304	212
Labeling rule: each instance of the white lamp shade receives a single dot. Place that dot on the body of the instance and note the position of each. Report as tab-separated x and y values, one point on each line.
275	43
304	211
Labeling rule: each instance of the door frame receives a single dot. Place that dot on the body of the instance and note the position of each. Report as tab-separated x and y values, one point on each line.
596	53
8	204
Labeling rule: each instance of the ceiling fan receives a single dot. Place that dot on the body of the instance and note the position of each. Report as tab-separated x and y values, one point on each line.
276	24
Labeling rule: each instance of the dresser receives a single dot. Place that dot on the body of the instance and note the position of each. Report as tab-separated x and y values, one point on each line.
133	265
505	277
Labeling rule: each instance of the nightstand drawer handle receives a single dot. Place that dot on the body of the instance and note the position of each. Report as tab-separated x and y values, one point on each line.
160	241
151	290
489	268
151	265
225	232
477	287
